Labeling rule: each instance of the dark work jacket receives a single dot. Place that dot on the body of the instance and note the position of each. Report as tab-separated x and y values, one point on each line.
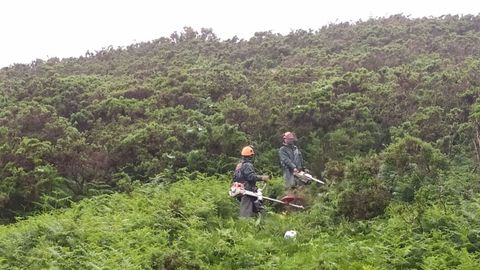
248	174
290	157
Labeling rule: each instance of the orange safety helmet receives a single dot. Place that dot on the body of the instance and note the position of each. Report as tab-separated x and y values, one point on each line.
247	151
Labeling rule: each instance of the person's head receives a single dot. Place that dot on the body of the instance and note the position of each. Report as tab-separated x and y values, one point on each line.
289	137
247	152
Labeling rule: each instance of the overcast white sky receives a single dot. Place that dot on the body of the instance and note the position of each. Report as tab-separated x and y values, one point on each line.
42	29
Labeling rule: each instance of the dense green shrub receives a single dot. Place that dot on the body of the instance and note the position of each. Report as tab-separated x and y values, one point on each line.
409	163
363	194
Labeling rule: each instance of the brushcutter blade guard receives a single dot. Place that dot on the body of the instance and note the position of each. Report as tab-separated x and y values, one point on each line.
288	198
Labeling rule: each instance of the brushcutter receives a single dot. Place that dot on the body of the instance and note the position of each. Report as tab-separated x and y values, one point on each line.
307	178
238	189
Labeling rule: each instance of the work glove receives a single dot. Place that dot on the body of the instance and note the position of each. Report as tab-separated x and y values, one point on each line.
264	178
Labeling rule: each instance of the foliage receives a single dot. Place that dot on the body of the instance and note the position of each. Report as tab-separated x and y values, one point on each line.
386	109
192	224
362	193
410	164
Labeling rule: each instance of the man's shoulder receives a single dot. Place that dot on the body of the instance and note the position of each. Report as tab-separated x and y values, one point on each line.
247	164
287	147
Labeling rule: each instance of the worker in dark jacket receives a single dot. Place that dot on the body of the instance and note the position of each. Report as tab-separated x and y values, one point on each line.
291	160
245	173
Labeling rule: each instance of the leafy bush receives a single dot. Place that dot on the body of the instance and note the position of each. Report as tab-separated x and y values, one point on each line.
409	164
364	195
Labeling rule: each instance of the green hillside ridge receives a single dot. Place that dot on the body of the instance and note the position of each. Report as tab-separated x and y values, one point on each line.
75	127
122	158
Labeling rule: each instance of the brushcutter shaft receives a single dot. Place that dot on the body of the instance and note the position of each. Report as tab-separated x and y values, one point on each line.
289	204
260	197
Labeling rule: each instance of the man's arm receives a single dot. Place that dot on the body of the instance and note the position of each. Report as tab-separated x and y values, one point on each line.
249	174
300	159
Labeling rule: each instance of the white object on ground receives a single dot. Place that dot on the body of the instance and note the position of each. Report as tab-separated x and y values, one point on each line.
290	234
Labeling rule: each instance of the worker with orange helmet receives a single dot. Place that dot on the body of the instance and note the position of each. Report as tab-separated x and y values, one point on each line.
245	174
291	159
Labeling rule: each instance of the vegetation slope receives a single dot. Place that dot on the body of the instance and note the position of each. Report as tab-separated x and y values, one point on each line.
121	157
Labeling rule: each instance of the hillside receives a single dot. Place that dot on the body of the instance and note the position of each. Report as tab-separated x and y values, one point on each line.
387	109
